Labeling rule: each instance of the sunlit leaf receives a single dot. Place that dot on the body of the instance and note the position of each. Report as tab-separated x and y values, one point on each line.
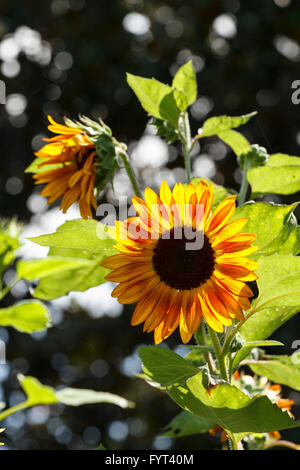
78	397
155	97
217	124
281	175
27	316
39	394
275	227
185	81
229	407
83	244
164	366
279	295
284	370
236	141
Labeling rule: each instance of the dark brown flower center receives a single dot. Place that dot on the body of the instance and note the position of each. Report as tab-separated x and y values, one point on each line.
183	262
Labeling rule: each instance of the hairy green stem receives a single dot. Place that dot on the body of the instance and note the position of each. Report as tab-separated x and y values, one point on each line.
200	337
219	355
14	409
8	288
187	145
131	174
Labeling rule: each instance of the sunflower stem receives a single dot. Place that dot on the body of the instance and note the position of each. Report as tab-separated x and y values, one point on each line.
219	355
14	409
200	337
131	174
8	288
187	145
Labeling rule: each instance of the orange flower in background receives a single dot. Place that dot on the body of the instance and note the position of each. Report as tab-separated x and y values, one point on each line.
72	177
173	284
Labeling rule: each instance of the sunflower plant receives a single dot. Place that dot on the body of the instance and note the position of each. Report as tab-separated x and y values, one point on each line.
198	257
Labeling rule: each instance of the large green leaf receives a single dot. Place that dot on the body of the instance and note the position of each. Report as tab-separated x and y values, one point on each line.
83	244
236	141
248	346
155	97
164	366
217	124
279	295
229	407
38	394
83	236
284	370
41	268
185	81
186	424
274	225
281	175
27	316
81	396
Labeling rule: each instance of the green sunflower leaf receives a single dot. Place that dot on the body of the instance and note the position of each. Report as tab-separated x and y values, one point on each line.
217	124
279	296
229	407
185	81
274	225
82	244
82	236
284	370
280	175
156	98
165	367
186	424
27	316
236	141
39	394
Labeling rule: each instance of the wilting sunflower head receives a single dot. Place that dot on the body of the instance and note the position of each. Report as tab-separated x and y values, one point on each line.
67	166
80	158
179	262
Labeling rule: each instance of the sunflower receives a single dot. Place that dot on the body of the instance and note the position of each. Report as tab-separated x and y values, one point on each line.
175	281
70	170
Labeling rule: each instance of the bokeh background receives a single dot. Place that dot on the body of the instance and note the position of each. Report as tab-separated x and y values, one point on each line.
65	57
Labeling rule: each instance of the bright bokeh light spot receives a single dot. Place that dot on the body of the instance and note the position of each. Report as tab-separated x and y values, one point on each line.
136	23
282	3
204	166
10	69
201	107
118	430
15	104
63	60
287	47
9	48
14	185
152	151
225	25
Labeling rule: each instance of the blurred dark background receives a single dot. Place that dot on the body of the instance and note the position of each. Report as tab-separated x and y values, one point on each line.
65	57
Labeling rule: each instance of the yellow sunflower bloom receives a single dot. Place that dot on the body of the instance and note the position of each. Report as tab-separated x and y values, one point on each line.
72	155
174	282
